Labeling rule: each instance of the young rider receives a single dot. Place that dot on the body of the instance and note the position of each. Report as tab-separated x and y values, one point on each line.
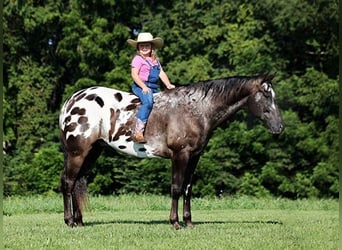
146	71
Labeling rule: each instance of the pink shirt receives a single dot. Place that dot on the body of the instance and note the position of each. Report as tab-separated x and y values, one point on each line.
144	69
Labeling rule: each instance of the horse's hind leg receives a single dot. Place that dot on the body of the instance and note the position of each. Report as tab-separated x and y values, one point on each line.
79	193
78	197
72	167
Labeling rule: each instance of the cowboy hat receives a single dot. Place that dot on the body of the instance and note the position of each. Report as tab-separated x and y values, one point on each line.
146	38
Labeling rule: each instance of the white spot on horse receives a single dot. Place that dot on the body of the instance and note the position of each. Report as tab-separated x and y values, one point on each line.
132	148
273	106
187	189
258	97
266	86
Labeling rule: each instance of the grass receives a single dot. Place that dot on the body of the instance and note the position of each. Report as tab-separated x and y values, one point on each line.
141	222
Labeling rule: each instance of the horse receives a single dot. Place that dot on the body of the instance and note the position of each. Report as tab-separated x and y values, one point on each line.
179	127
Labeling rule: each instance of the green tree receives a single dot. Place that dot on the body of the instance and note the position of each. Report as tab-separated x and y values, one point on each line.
54	48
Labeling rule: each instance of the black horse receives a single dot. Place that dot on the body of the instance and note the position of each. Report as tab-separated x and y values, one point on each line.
179	128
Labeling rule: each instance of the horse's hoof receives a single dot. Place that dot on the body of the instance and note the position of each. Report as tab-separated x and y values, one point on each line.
80	224
69	221
176	226
189	225
74	223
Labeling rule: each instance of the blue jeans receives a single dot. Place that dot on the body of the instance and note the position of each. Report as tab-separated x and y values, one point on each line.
146	102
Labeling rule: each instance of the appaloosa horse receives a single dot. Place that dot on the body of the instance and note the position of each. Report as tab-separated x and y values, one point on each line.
179	127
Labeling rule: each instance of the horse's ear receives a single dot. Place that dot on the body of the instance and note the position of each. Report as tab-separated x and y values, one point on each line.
269	77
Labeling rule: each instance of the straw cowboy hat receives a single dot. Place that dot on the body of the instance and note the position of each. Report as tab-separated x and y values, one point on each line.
146	38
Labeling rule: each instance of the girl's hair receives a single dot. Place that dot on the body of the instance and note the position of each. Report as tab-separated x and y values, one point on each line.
153	52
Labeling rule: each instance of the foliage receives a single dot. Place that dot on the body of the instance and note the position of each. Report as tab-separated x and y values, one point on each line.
54	48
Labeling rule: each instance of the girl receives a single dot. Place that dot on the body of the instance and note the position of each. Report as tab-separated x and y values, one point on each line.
146	71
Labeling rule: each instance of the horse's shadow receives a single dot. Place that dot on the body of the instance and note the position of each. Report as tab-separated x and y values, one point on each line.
157	222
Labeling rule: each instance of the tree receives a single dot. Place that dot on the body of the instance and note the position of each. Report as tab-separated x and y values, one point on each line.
54	48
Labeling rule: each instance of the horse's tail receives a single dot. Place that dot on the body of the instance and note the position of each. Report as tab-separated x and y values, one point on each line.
80	191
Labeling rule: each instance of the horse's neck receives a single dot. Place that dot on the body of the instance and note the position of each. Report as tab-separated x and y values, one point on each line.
221	113
226	106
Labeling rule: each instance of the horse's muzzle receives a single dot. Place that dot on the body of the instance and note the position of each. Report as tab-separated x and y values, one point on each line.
277	129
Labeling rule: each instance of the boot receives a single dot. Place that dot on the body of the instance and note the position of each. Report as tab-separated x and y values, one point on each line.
139	132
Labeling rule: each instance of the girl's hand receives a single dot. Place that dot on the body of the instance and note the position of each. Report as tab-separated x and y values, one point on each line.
145	90
170	86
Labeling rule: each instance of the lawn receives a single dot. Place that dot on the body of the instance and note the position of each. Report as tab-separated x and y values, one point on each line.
141	222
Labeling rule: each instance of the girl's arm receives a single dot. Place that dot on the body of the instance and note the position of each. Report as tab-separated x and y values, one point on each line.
165	79
137	80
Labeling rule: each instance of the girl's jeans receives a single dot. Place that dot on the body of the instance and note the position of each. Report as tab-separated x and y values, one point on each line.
146	102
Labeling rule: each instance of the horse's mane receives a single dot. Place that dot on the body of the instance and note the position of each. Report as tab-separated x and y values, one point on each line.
219	88
226	90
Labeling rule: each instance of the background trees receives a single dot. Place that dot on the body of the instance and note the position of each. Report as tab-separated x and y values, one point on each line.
53	48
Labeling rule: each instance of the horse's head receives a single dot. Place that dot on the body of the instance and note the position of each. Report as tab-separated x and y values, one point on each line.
263	105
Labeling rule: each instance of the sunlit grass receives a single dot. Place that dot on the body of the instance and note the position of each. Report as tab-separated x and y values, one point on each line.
141	222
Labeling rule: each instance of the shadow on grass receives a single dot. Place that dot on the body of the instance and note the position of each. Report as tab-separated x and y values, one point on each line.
158	222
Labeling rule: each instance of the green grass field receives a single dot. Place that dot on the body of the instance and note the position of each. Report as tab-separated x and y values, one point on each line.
141	222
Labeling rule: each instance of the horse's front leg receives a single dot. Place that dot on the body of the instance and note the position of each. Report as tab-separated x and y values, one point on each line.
175	194
179	163
188	190
187	206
